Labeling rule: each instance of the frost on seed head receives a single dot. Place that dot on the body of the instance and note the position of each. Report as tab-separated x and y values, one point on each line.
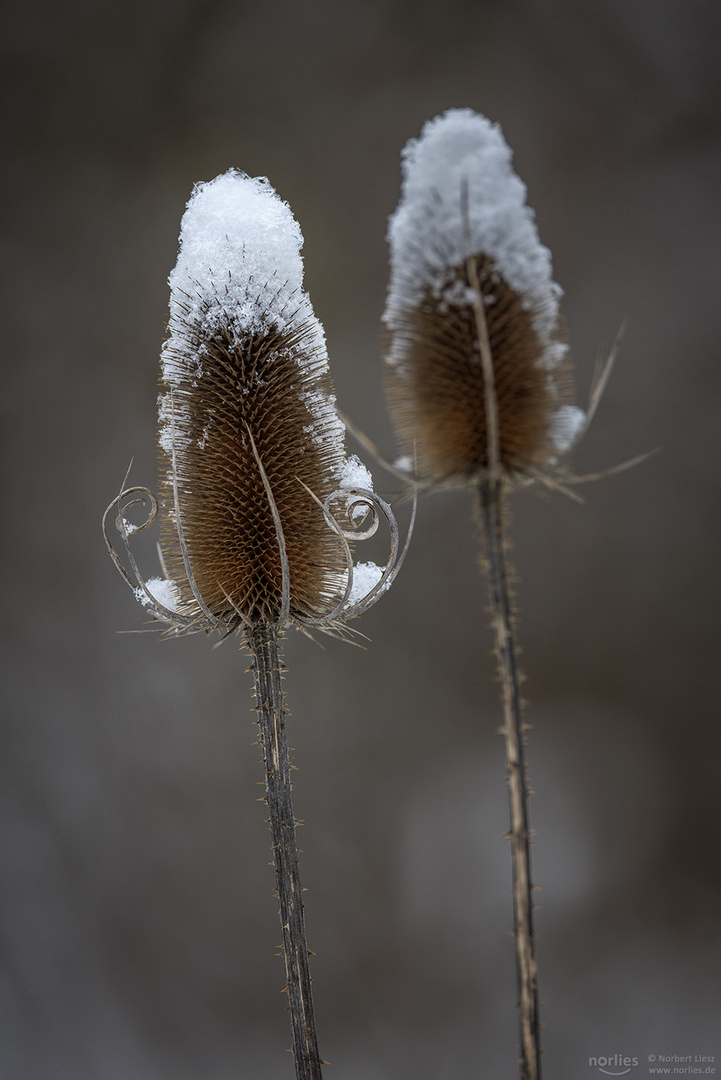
567	423
237	230
354	474
161	589
460	197
239	276
365	577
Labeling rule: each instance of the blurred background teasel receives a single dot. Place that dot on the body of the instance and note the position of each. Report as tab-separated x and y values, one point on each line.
135	926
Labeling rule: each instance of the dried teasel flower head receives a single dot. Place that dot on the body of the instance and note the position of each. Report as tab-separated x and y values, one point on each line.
469	275
258	495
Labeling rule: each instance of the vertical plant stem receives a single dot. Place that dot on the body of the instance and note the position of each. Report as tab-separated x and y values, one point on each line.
266	666
491	501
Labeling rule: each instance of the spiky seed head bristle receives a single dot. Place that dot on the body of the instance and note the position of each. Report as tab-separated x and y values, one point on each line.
462	207
245	379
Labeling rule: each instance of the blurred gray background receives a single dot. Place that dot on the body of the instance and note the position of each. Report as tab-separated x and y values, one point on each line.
137	926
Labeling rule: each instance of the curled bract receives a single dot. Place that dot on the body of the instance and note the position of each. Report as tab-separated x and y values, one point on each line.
359	515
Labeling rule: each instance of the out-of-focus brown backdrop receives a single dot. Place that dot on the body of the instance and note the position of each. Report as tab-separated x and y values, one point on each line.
137	925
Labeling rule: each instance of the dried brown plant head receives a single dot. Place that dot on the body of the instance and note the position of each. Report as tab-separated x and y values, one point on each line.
437	399
260	501
249	403
469	274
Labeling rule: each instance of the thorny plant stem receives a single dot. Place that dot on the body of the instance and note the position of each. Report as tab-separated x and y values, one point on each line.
270	707
491	500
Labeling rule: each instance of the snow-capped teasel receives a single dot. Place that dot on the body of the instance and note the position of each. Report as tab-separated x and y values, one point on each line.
260	501
469	276
478	390
259	498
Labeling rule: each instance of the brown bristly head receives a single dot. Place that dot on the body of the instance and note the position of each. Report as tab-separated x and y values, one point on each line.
435	388
246	402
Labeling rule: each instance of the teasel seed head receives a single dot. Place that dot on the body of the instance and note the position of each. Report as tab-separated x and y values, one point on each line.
259	499
467	264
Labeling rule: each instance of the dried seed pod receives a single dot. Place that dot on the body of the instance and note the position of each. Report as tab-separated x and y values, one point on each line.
260	500
464	248
245	382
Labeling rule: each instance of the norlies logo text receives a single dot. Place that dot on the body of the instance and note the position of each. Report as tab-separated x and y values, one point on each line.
615	1065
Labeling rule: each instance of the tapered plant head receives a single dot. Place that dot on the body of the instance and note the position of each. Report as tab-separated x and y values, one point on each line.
259	500
468	271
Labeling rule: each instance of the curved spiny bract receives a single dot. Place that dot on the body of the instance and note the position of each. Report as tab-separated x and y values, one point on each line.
232	400
436	390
